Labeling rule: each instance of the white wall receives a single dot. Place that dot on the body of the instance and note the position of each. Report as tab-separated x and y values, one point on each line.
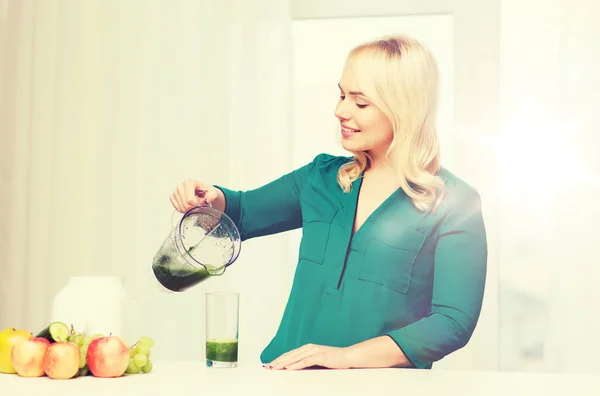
550	181
115	104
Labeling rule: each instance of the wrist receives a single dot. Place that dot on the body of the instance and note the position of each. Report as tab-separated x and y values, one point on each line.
352	356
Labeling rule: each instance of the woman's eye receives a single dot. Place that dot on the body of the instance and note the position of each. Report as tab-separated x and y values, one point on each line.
361	106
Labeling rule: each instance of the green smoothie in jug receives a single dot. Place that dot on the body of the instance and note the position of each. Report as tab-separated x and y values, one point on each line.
180	279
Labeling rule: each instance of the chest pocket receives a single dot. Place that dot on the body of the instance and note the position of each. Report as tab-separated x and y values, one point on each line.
316	227
390	263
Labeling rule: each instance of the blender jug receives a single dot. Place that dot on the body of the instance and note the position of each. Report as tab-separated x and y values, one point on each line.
200	245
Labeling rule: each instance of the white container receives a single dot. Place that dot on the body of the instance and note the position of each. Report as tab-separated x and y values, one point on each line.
97	305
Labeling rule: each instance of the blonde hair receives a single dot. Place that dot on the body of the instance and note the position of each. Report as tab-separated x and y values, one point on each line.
400	76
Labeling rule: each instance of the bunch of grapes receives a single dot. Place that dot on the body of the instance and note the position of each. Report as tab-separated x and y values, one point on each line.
139	356
83	342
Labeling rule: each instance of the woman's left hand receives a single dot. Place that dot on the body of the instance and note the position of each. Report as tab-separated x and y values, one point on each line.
312	355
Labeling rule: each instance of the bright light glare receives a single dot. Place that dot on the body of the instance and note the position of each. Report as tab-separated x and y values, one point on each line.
536	161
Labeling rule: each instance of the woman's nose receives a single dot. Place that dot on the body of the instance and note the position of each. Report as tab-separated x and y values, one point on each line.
340	112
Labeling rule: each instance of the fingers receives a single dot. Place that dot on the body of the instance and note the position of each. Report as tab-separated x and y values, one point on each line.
286	357
175	202
293	357
202	197
189	193
304	363
192	193
180	196
211	195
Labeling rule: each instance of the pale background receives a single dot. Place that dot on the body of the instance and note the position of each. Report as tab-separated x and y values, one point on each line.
106	105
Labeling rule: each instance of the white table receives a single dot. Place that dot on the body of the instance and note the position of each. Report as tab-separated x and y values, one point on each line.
194	378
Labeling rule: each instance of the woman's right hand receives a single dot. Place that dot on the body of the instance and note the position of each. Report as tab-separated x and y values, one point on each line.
192	193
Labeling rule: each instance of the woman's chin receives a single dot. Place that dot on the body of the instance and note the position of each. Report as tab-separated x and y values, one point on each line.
350	145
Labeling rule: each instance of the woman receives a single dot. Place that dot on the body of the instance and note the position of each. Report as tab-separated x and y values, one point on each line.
393	256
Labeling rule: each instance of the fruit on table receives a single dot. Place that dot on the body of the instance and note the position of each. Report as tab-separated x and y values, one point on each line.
139	356
83	342
61	360
108	357
9	337
55	332
27	357
63	353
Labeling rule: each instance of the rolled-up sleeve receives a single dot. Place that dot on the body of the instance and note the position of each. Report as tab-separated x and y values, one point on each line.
460	266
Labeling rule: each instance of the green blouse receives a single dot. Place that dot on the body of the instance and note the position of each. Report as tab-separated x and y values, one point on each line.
417	277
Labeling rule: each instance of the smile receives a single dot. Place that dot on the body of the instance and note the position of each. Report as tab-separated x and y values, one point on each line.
346	132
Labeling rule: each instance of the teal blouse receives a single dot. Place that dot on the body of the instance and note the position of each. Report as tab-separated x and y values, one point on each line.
417	277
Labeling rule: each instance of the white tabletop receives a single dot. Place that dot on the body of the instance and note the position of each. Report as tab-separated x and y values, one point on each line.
194	378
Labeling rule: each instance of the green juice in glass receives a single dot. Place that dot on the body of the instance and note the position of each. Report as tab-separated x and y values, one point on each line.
221	351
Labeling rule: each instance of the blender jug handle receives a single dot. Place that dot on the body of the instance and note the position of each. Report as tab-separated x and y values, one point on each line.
176	216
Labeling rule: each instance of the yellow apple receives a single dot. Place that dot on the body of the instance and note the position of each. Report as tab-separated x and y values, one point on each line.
10	337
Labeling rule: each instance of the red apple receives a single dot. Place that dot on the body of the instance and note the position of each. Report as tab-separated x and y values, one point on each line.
62	360
108	357
28	357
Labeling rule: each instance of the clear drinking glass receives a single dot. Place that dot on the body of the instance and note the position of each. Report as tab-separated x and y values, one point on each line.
222	321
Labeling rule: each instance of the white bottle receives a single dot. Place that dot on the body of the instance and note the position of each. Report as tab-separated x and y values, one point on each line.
97	305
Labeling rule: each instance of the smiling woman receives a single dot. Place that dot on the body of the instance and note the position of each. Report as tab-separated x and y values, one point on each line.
393	257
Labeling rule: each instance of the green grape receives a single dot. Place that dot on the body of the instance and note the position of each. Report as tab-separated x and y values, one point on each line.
87	340
149	353
147	367
132	352
141	348
82	358
132	368
140	360
149	342
84	349
78	338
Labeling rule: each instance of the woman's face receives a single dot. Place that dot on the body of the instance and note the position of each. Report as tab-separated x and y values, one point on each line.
364	127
